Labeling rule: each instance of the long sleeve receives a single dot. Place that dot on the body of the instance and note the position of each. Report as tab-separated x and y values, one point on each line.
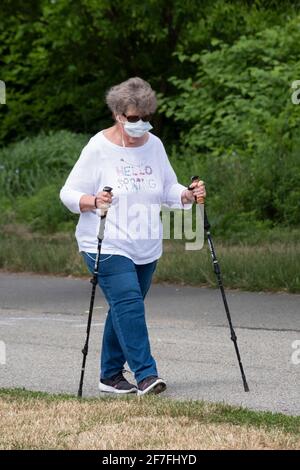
81	180
172	189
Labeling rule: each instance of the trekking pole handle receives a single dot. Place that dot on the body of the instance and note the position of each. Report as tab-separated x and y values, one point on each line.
102	212
107	189
199	199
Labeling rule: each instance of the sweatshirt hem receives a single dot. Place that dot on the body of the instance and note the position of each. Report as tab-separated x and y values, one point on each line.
122	253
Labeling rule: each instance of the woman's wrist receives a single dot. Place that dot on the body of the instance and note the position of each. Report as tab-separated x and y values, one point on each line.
87	203
187	197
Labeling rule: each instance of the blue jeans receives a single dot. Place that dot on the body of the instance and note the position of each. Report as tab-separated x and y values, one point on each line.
125	337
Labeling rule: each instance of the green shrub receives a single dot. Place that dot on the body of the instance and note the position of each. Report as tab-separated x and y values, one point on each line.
44	212
31	174
239	125
29	165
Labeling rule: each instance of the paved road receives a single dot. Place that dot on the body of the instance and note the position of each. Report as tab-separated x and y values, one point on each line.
43	321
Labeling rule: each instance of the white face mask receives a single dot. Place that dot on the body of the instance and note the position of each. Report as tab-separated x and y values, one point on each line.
137	129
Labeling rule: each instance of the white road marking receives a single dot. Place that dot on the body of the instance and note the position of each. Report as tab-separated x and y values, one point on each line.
11	320
87	311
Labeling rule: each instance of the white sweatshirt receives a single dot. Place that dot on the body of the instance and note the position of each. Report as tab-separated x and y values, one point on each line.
142	180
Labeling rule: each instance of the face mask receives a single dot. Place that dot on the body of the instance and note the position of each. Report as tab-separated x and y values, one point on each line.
137	129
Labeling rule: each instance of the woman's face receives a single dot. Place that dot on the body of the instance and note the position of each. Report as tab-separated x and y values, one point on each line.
131	113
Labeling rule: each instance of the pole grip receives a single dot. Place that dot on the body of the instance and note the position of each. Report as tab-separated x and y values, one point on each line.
102	212
108	189
199	199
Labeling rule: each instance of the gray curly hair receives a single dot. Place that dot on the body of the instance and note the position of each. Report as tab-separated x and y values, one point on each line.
133	92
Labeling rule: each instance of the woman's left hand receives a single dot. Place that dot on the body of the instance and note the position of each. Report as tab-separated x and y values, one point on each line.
198	190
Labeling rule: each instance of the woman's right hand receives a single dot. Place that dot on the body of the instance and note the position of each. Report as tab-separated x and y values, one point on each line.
103	199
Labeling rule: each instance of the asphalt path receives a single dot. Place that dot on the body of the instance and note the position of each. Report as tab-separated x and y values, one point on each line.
43	328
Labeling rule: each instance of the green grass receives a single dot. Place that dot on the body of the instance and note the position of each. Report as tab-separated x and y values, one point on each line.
192	409
262	267
269	263
34	420
41	254
34	162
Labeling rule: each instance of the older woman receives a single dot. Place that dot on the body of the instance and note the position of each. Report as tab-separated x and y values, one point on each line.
134	163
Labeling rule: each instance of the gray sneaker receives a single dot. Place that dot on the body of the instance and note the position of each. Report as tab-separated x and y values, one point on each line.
116	384
151	384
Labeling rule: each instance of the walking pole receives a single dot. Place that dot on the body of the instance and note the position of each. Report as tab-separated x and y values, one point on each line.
94	282
200	200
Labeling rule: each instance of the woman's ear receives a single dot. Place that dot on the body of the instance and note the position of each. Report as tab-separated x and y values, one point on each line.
118	118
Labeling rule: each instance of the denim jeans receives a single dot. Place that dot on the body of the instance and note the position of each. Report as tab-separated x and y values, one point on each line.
125	337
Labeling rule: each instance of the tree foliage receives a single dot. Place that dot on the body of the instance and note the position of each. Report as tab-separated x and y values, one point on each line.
237	116
58	57
223	72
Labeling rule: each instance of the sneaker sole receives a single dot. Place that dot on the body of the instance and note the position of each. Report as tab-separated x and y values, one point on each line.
108	389
157	387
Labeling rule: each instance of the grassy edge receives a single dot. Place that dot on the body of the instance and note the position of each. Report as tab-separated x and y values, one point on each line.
198	410
262	267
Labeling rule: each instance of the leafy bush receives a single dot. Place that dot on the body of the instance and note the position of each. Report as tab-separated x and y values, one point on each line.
225	113
29	165
44	212
31	174
59	57
240	125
